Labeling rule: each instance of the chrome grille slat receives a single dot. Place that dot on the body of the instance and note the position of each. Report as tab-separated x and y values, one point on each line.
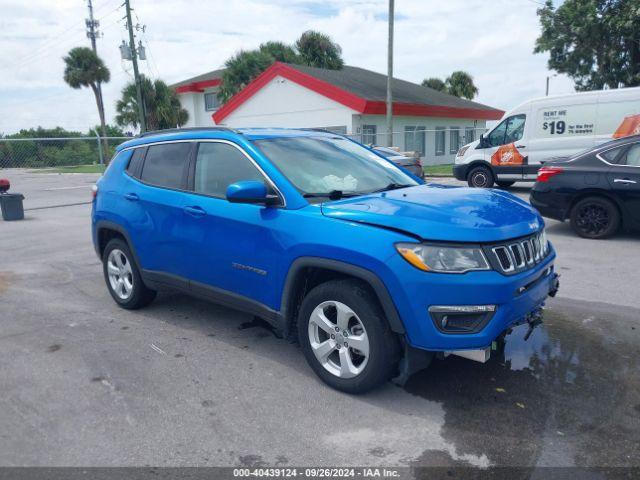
513	257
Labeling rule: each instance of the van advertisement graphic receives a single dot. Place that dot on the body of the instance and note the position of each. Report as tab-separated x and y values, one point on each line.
629	126
507	156
576	120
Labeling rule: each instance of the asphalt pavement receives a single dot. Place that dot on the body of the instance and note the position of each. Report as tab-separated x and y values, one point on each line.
188	383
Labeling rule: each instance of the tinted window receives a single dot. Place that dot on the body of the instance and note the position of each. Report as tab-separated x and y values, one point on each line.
611	155
632	156
218	165
135	162
164	164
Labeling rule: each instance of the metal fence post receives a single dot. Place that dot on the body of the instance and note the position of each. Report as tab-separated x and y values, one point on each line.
99	148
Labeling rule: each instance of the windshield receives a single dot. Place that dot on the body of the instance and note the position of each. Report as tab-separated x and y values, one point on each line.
324	166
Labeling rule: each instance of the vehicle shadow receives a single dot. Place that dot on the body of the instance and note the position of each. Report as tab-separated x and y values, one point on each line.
556	399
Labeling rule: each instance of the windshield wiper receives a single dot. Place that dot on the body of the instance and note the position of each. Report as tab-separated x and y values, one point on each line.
332	195
393	186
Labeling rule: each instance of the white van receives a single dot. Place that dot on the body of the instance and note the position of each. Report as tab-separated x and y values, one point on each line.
544	128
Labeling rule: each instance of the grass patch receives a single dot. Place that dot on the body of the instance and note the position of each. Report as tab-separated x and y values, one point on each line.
439	170
74	169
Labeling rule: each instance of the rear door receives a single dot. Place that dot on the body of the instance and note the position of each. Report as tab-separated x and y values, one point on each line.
156	195
624	179
506	149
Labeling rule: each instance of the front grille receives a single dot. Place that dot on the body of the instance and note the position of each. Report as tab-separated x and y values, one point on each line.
519	255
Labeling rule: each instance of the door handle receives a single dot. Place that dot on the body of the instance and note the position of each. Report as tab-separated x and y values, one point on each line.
521	146
131	197
624	180
194	211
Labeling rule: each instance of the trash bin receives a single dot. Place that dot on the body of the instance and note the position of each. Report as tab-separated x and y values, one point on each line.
11	206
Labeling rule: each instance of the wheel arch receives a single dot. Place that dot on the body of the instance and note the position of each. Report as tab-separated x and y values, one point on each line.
307	272
106	231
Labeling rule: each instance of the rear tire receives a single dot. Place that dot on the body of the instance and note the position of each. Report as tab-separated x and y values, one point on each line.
480	177
595	217
122	275
361	360
504	184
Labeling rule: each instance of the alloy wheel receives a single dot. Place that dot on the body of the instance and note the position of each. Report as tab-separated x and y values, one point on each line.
120	274
338	339
593	219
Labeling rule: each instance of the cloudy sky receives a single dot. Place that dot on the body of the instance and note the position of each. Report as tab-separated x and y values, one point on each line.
492	40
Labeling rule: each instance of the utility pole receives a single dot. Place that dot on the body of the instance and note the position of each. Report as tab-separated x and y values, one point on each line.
92	34
389	77
136	73
547	90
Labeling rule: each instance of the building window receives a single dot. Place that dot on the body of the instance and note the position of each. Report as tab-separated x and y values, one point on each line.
211	101
369	134
440	140
414	139
469	134
454	139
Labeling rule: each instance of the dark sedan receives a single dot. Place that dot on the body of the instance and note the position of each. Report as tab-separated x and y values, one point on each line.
597	190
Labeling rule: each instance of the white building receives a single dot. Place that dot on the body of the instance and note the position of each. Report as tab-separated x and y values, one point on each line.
349	101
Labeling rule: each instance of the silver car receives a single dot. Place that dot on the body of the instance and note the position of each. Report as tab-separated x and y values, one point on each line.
410	163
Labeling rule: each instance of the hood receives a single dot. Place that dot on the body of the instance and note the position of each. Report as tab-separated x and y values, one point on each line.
442	213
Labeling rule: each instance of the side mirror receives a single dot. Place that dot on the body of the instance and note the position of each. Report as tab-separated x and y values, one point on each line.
251	191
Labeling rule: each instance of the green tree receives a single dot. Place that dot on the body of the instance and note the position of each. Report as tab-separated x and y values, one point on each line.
595	42
435	83
83	68
161	106
240	69
314	49
280	52
318	50
461	85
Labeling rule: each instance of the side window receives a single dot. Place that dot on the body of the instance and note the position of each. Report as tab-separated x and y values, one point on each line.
515	128
496	137
218	165
611	156
509	131
164	164
632	157
135	162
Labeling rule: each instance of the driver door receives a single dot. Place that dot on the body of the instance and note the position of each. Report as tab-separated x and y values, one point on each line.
233	247
505	151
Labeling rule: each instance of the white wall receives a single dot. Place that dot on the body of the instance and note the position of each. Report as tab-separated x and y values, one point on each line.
194	104
423	123
283	103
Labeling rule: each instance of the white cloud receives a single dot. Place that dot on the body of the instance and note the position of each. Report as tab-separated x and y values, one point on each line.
491	40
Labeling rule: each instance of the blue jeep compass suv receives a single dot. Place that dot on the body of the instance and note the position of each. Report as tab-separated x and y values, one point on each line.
375	271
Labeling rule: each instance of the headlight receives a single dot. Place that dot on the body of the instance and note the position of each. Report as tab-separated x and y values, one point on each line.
443	259
462	150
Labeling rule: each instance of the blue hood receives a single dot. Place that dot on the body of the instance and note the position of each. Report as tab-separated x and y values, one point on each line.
443	213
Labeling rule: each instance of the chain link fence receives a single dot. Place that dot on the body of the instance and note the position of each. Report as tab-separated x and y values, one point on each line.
434	145
57	151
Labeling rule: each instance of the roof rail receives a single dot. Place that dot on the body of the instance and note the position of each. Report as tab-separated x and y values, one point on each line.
323	130
188	129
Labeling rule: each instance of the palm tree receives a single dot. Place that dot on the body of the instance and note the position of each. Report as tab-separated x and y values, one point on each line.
83	68
161	106
435	84
460	84
316	49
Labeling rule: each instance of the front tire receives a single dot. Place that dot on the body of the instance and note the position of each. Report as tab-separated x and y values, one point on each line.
595	217
480	177
122	276
345	336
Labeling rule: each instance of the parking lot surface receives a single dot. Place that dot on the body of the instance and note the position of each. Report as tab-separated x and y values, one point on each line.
184	382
